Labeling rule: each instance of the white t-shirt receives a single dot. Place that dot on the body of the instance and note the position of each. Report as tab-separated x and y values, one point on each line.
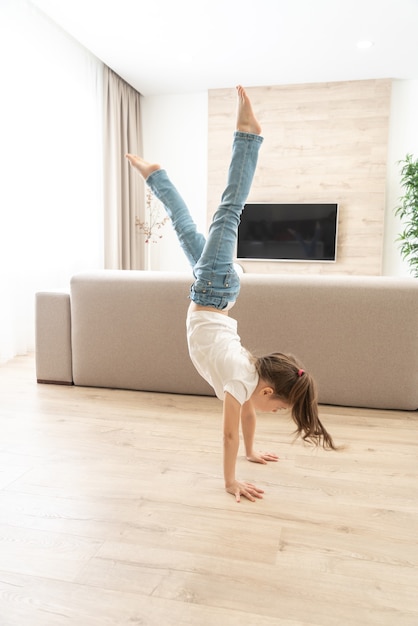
216	352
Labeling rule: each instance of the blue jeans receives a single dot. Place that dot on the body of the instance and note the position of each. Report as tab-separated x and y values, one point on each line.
216	281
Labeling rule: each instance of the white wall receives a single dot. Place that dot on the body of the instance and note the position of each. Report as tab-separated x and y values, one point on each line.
175	135
403	139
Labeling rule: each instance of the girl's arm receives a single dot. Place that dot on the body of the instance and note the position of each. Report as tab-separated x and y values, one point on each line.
231	420
248	424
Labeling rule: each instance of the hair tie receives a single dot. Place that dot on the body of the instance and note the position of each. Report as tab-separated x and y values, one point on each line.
300	372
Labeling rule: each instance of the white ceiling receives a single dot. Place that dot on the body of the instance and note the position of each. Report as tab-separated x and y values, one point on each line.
180	46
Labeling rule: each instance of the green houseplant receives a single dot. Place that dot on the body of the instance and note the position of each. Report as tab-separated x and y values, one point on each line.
408	212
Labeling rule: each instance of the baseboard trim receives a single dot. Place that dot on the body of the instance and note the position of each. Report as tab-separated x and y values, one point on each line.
54	382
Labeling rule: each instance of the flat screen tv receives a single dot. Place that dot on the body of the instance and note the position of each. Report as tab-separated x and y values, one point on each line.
288	232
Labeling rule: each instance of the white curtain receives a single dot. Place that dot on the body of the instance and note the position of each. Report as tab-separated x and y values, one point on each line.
51	168
124	189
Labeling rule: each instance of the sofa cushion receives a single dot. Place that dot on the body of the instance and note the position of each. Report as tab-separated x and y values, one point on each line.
129	331
357	335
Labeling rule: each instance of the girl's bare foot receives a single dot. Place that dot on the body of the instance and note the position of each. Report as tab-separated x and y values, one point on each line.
246	120
143	167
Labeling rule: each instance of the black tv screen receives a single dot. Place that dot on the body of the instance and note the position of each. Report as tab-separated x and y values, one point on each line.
288	232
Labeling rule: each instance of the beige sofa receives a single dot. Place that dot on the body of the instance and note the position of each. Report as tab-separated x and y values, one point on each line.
126	329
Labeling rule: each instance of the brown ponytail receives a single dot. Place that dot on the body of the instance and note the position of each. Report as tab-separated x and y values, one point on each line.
296	386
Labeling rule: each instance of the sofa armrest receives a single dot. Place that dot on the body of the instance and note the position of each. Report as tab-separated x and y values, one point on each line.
53	338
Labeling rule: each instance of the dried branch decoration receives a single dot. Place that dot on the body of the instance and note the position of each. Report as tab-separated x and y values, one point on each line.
155	222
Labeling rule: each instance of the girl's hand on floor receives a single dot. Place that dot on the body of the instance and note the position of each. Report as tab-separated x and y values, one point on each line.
248	490
262	457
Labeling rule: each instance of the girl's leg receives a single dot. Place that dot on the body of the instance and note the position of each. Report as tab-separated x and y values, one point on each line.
216	281
191	241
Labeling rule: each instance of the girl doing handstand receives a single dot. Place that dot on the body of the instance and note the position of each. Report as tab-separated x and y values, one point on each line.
244	383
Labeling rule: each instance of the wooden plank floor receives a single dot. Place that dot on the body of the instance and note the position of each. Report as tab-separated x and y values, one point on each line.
112	512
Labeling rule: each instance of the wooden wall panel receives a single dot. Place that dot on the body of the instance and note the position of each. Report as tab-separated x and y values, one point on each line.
323	143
